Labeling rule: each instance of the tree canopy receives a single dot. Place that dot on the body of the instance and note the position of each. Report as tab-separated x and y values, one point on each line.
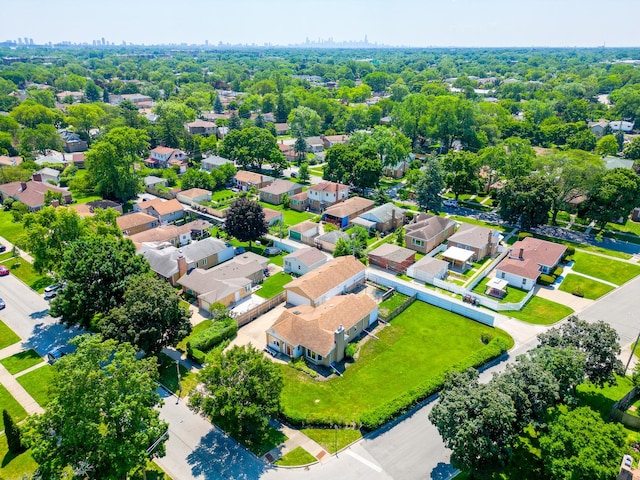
245	220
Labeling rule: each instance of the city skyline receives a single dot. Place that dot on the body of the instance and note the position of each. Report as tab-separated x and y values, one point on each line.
412	23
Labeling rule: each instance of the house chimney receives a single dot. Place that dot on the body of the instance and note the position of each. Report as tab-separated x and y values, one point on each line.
55	202
182	266
23	186
521	254
393	217
37	177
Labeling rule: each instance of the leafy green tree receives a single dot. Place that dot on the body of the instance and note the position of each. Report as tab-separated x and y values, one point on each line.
300	147
366	173
245	220
39	139
101	418
428	187
304	120
527	200
341	160
632	150
217	105
378	81
567	365
462	172
193	178
583	140
411	117
252	147
84	117
31	114
303	172
234	122
148	322
607	145
282	112
613	196
598	341
91	92
111	161
97	270
172	116
241	392
581	445
12	432
43	97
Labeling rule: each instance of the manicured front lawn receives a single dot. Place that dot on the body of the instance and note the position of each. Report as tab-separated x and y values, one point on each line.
602	399
273	438
514	295
7	336
419	346
613	271
25	272
297	456
11	405
474	221
37	383
332	440
273	285
541	311
21	361
168	376
590	289
12	465
9	229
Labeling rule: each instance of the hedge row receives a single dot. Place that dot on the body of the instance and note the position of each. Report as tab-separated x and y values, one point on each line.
214	335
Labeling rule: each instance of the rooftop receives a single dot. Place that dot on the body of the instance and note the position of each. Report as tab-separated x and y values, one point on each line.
319	281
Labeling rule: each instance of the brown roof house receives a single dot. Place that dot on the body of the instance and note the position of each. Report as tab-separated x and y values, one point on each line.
482	241
136	222
321	334
384	218
305	232
339	276
299	201
392	257
325	194
165	211
304	260
327	241
272	216
194	196
274	192
165	157
245	180
341	214
160	237
427	232
201	127
32	193
89	209
527	260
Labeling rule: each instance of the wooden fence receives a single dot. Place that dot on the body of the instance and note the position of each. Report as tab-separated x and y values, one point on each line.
399	309
250	315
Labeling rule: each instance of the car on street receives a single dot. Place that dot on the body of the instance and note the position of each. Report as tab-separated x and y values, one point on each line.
3	271
2	304
450	203
239	250
54	355
52	288
294	175
272	251
3	248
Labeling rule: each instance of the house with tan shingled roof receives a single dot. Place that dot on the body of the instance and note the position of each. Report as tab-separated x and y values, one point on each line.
427	232
274	192
321	333
165	211
136	222
341	214
32	193
244	180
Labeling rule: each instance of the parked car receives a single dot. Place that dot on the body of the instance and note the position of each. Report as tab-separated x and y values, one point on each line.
272	251
294	175
239	250
450	203
54	355
4	271
3	248
2	304
52	288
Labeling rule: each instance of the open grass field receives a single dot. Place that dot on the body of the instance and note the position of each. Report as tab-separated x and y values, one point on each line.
12	465
12	406
297	456
420	345
590	289
21	361
541	311
37	383
606	269
273	285
7	336
331	439
9	229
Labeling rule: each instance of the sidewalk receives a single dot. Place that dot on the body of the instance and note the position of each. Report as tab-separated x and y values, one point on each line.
295	439
20	394
21	253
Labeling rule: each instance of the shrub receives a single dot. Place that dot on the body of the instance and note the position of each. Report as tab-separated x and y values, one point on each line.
546	279
196	355
523	235
486	337
351	350
329	227
215	334
557	272
300	365
568	259
570	251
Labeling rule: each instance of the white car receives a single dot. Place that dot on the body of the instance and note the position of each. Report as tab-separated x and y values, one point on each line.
450	203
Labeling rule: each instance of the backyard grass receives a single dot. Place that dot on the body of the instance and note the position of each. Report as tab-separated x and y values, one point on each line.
273	285
590	289
222	195
9	229
182	345
630	227
606	269
291	217
541	311
602	399
297	456
12	406
25	272
391	303
332	440
168	376
420	345
21	361
14	466
7	336
514	295
37	383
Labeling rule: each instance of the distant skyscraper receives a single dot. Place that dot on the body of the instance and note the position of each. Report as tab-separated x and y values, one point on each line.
31	41
19	41
206	42
26	41
103	42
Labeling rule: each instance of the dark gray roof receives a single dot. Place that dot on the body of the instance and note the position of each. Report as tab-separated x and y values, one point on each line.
333	237
383	213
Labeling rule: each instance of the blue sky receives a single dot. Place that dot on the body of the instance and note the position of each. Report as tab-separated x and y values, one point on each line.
423	23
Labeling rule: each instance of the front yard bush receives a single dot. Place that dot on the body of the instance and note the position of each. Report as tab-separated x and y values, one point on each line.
546	280
220	331
523	235
196	355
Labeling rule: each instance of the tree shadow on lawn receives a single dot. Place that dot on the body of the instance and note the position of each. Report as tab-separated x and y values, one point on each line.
442	471
9	457
46	337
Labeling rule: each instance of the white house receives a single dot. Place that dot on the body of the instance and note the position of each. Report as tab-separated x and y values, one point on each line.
194	196
304	260
213	162
427	269
325	194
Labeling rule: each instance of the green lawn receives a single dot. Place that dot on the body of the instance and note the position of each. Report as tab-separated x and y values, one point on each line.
25	272
418	347
333	440
297	456
7	336
21	361
514	295
37	383
602	399
12	406
391	303
541	311
581	246
473	221
630	227
273	285
182	345
291	217
168	376
222	195
603	268
590	289
273	438
9	229
14	466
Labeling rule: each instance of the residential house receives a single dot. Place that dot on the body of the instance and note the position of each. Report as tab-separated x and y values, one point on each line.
161	236
299	201
194	196
172	263
165	211
136	222
244	180
222	132
427	269
89	209
303	261
325	194
73	142
32	193
321	333
396	171
427	232
272	216
213	162
47	175
621	126
274	192
64	95
165	157
282	128
384	218
78	159
331	140
135	98
152	183
341	214
339	276
305	232
527	260
314	144
482	241
599	128
288	151
327	241
392	257
201	127
616	162
6	161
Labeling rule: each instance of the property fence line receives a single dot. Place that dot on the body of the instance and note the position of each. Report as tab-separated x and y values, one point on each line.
486	271
440	248
618	411
250	315
399	309
450	287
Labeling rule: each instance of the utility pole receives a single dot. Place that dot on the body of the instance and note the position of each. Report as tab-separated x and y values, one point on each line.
632	352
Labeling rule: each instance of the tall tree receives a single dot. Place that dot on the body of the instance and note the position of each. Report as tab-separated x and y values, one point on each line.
303	172
91	92
101	418
172	116
300	147
252	147
305	120
12	431
366	173
84	117
240	392
527	200
614	195
281	110
245	220
148	322
217	105
428	187
340	162
607	145
462	172
39	139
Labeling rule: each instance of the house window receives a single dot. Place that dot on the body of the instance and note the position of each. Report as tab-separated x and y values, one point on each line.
298	267
503	274
247	288
417	243
524	282
204	262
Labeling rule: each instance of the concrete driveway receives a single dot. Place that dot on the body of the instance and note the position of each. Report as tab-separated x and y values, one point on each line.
253	333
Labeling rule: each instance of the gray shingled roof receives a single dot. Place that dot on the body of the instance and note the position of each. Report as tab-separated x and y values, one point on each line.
383	213
165	262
